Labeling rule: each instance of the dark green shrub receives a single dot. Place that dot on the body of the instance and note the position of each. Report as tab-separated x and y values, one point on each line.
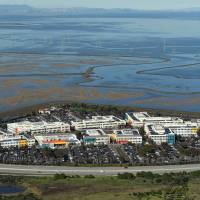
59	176
89	176
126	175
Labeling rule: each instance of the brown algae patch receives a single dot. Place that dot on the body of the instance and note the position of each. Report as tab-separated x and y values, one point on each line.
123	95
165	101
11	82
24	96
63	65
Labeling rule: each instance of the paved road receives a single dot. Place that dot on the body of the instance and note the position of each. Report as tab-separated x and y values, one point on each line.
50	170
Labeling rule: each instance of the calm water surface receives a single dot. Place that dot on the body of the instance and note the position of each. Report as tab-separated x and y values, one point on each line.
9	189
141	62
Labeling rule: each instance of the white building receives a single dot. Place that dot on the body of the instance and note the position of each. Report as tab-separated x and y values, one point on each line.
38	127
17	141
138	119
196	122
125	136
44	111
10	142
54	141
98	122
159	134
96	136
184	130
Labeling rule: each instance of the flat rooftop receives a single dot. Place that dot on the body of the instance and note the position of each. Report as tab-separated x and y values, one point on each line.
36	124
145	117
182	127
158	130
132	132
100	119
164	119
138	115
66	137
95	132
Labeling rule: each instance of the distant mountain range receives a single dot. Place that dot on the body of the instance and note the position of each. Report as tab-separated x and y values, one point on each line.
25	10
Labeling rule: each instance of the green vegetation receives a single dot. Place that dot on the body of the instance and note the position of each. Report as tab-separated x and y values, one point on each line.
89	176
126	186
198	132
29	196
83	108
127	176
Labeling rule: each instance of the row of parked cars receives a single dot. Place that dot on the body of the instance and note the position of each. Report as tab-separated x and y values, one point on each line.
149	154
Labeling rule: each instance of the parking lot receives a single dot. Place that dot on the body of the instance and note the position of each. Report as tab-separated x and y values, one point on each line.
185	150
102	154
112	154
32	156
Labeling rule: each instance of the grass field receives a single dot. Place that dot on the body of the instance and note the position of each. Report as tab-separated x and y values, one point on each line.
143	186
107	188
180	186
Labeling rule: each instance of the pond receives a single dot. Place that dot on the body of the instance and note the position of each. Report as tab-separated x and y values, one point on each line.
10	189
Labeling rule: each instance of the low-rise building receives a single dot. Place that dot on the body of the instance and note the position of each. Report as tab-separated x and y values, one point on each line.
184	130
30	140
9	142
159	134
138	119
196	122
17	141
55	141
98	122
44	111
125	136
95	136
37	127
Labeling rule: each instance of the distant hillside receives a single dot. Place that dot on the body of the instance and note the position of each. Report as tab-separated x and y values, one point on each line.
93	12
15	9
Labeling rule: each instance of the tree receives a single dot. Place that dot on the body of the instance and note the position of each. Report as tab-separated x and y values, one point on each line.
126	175
59	176
78	135
198	132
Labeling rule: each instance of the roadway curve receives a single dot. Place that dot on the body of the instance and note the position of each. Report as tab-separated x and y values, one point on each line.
51	170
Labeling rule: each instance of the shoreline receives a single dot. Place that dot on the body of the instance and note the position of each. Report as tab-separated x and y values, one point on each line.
28	110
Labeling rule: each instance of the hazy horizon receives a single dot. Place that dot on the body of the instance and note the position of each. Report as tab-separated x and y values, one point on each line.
109	4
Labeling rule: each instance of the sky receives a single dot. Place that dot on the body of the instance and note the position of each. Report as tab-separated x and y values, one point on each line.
134	4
